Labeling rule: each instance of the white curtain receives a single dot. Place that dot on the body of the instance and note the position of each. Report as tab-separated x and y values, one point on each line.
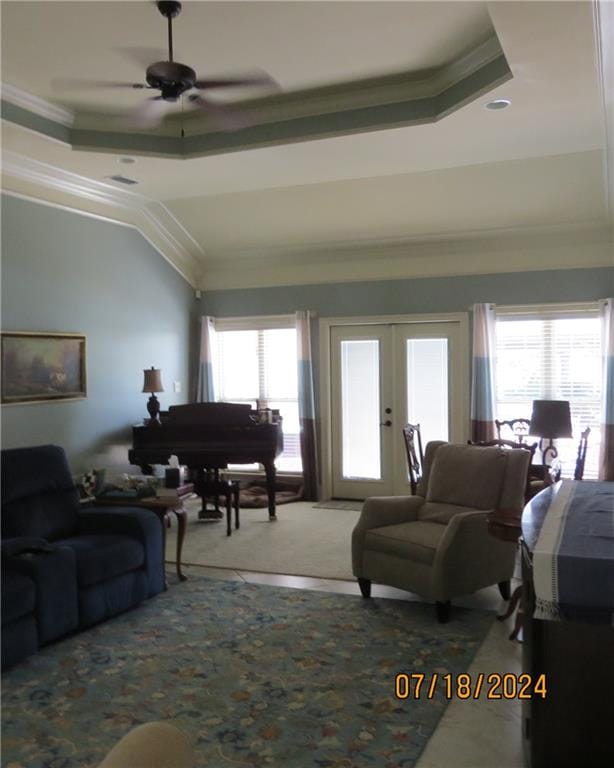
606	457
205	390
306	406
483	373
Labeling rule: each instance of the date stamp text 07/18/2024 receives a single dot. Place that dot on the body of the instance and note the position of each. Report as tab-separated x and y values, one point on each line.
417	685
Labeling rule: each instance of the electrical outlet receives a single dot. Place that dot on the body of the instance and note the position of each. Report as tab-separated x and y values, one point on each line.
176	386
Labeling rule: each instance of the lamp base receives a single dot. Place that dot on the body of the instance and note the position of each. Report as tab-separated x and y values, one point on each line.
153	408
548	449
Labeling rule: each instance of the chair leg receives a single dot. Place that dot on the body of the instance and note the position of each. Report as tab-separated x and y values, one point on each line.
228	513
365	587
443	611
236	502
505	589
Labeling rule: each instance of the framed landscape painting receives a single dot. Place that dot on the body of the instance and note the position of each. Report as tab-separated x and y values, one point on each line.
42	367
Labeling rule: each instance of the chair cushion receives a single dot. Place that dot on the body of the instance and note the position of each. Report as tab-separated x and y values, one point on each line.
18	595
102	556
467	475
413	541
435	512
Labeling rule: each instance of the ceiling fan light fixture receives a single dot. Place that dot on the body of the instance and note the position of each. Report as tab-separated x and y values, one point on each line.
497	104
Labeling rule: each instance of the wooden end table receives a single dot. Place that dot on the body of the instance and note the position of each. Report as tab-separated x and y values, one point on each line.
505	526
163	506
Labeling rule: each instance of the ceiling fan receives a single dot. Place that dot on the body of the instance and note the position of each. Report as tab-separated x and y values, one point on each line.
174	79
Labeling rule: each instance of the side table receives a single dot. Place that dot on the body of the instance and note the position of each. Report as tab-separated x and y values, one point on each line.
163	507
505	526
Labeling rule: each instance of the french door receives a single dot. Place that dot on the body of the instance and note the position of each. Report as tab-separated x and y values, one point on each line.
383	376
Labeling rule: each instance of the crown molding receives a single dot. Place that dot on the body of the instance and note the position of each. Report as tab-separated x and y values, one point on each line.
36	105
472	61
374	103
150	217
566	246
459	241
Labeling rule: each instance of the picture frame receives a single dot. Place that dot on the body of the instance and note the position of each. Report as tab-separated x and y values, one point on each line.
42	367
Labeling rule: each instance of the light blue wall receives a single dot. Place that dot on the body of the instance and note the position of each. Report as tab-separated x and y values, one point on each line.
62	271
411	296
420	295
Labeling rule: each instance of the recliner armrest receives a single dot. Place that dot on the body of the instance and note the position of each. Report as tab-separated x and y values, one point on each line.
465	541
378	511
127	521
464	526
141	524
20	545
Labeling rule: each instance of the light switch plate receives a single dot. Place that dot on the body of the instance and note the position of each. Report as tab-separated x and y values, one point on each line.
176	386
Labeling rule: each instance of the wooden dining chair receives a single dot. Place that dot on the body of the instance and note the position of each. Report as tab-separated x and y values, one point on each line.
518	429
415	457
581	457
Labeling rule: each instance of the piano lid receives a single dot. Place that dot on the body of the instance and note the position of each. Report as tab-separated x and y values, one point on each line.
210	414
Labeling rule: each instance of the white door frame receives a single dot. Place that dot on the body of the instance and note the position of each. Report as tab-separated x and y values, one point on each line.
325	325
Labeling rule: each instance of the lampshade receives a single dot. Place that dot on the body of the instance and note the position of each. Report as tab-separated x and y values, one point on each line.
152	381
550	418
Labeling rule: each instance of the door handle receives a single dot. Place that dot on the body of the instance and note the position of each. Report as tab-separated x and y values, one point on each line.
386	423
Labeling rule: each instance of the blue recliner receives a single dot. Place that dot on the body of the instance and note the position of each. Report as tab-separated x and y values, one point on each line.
67	567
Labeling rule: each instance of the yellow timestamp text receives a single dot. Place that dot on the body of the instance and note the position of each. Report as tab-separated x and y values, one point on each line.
417	685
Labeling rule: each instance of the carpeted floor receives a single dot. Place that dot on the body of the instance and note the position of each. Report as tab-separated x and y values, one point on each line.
303	541
258	676
339	504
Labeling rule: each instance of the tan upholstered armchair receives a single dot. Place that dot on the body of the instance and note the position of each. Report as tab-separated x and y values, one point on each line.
436	543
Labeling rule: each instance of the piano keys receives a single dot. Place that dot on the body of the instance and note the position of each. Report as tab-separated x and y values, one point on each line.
209	436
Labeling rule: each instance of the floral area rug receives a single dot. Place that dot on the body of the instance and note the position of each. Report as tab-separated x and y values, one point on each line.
257	675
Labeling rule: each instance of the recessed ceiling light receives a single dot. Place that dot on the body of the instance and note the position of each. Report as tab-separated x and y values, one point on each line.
126	160
497	104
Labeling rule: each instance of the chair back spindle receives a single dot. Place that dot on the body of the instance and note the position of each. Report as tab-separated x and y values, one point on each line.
515	429
581	457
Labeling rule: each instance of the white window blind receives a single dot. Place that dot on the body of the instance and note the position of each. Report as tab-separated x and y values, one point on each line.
260	363
552	356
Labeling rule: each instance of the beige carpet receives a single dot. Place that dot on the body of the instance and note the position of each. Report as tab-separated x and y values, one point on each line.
303	541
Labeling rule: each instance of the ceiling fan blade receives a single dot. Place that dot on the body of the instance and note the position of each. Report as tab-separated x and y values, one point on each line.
81	84
142	56
150	113
261	78
226	120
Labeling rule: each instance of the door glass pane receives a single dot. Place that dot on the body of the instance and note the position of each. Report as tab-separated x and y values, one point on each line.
360	409
427	387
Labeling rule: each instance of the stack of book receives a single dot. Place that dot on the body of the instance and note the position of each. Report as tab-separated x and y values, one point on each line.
174	493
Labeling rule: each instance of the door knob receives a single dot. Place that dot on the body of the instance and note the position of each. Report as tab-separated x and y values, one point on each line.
386	423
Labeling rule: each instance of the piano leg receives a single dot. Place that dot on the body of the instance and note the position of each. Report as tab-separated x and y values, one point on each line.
269	468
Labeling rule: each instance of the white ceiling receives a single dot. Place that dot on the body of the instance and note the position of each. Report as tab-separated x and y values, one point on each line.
301	44
540	163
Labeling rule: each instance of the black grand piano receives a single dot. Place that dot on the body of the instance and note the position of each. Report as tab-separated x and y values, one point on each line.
209	436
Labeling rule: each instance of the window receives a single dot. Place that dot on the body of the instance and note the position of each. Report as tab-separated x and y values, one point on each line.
552	355
257	360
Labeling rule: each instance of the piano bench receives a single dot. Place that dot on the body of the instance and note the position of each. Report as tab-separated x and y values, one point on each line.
212	490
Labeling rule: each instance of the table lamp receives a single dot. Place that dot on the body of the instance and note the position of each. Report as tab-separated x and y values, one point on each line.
152	382
550	419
